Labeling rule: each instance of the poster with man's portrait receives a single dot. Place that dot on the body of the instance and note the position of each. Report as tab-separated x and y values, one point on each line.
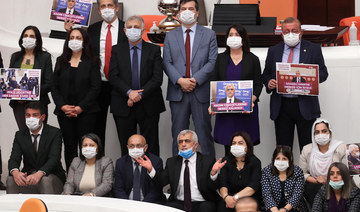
353	157
231	96
20	84
77	10
297	79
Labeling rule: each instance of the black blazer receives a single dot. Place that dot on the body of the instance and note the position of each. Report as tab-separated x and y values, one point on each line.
171	175
48	158
151	76
87	86
251	70
1	62
41	61
94	32
63	10
301	79
124	175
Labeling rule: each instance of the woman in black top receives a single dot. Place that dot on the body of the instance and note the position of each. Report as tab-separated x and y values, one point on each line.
76	86
241	175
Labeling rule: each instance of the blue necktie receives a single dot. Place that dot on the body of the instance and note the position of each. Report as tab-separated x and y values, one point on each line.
136	183
135	85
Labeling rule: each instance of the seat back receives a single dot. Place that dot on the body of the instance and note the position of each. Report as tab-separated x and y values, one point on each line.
347	22
33	205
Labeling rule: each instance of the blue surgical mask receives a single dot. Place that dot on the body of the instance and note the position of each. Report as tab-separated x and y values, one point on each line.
336	185
186	153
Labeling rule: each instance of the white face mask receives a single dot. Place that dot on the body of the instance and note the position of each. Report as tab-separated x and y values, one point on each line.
322	139
29	43
108	14
75	45
234	42
33	123
281	165
133	34
237	150
89	152
187	17
135	153
292	39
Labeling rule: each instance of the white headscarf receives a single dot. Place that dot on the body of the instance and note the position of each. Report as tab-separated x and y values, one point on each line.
320	162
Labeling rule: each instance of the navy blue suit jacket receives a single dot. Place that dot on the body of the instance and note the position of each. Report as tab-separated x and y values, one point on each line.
124	179
310	53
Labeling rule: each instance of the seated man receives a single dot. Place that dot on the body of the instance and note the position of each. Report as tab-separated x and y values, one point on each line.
192	176
40	148
131	181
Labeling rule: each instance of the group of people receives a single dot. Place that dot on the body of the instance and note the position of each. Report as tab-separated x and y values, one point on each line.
110	65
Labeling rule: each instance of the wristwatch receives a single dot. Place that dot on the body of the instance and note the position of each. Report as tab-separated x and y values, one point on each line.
286	209
236	197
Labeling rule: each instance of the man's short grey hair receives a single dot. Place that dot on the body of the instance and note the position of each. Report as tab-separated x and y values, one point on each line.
289	20
352	147
138	18
194	136
116	2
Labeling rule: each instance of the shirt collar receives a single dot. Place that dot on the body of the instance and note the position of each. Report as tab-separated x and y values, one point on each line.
295	47
40	131
192	159
114	24
193	28
139	45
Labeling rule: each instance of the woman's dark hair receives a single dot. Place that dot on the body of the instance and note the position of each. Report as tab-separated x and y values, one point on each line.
243	34
97	140
348	181
249	146
286	151
186	1
87	51
38	47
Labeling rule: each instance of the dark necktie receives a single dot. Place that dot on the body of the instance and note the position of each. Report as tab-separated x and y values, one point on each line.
108	46
187	191
229	100
135	70
188	52
136	183
290	58
35	142
69	11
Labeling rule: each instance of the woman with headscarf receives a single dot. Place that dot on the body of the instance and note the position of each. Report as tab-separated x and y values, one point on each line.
316	158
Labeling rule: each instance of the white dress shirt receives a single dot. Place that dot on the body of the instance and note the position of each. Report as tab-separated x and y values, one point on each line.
69	11
228	99
114	39
38	138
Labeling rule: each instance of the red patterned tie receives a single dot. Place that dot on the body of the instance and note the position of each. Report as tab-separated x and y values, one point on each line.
290	58
108	46
187	51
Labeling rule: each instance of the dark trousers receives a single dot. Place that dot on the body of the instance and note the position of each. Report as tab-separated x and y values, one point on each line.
19	113
104	101
72	130
310	191
290	116
149	128
205	206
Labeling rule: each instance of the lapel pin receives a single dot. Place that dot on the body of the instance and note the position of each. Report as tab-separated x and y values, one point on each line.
304	50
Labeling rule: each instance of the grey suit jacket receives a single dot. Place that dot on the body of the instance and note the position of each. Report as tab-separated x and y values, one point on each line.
104	176
203	57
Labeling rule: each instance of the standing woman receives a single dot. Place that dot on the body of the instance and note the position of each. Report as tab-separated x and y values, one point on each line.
76	86
32	56
283	183
238	63
339	194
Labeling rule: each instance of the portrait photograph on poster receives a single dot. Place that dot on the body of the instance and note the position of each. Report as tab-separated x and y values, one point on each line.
231	96
20	84
77	10
353	157
298	79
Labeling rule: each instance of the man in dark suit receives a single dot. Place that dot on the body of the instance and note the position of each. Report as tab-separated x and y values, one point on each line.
290	110
230	98
131	181
354	159
39	147
298	78
187	192
190	53
136	75
70	8
104	34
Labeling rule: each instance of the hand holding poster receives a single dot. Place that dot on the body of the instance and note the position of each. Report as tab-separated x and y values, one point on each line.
77	10
20	84
231	96
353	156
299	79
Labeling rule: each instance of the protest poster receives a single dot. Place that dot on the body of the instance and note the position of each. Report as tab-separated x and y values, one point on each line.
298	79
77	10
353	158
231	96
20	84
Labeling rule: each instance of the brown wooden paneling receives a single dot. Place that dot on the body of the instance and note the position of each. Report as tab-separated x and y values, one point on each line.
339	9
312	12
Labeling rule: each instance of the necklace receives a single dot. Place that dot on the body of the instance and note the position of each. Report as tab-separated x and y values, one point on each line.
28	60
